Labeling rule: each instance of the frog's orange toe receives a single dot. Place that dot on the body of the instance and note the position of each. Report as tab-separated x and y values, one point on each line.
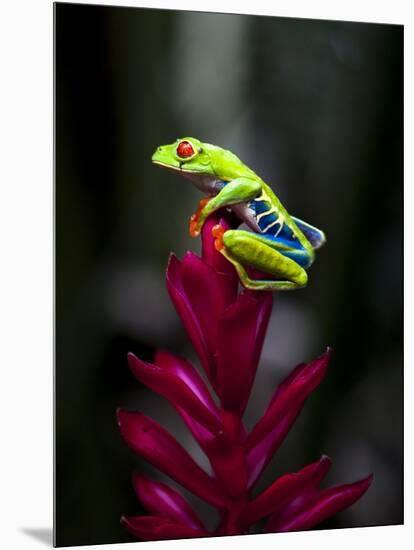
203	202
218	232
194	232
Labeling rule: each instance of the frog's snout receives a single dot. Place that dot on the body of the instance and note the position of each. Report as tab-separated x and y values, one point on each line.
163	156
158	152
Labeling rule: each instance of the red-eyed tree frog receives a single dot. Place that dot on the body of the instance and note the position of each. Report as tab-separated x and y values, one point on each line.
277	244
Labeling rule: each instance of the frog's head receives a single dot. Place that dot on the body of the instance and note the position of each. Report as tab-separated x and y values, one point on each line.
186	155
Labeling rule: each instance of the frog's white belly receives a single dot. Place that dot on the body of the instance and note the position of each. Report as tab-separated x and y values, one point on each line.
247	215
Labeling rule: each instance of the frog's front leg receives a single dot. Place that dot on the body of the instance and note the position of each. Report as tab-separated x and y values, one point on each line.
234	192
244	248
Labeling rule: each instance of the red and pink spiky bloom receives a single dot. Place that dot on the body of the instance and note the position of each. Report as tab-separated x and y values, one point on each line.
227	329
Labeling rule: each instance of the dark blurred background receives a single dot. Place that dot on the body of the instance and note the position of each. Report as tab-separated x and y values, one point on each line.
315	108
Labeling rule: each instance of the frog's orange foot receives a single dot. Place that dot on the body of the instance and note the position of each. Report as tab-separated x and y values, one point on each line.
218	232
193	227
194	220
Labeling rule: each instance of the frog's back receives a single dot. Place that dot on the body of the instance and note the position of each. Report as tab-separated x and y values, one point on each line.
227	166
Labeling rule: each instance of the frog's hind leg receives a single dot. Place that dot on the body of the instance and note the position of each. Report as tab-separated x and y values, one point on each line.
245	248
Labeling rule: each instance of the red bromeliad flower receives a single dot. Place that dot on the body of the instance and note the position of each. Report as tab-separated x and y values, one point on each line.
227	330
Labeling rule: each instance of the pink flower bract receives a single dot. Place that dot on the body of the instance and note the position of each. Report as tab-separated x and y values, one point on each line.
227	328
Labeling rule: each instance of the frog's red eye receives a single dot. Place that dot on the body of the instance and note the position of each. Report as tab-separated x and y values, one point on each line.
185	149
